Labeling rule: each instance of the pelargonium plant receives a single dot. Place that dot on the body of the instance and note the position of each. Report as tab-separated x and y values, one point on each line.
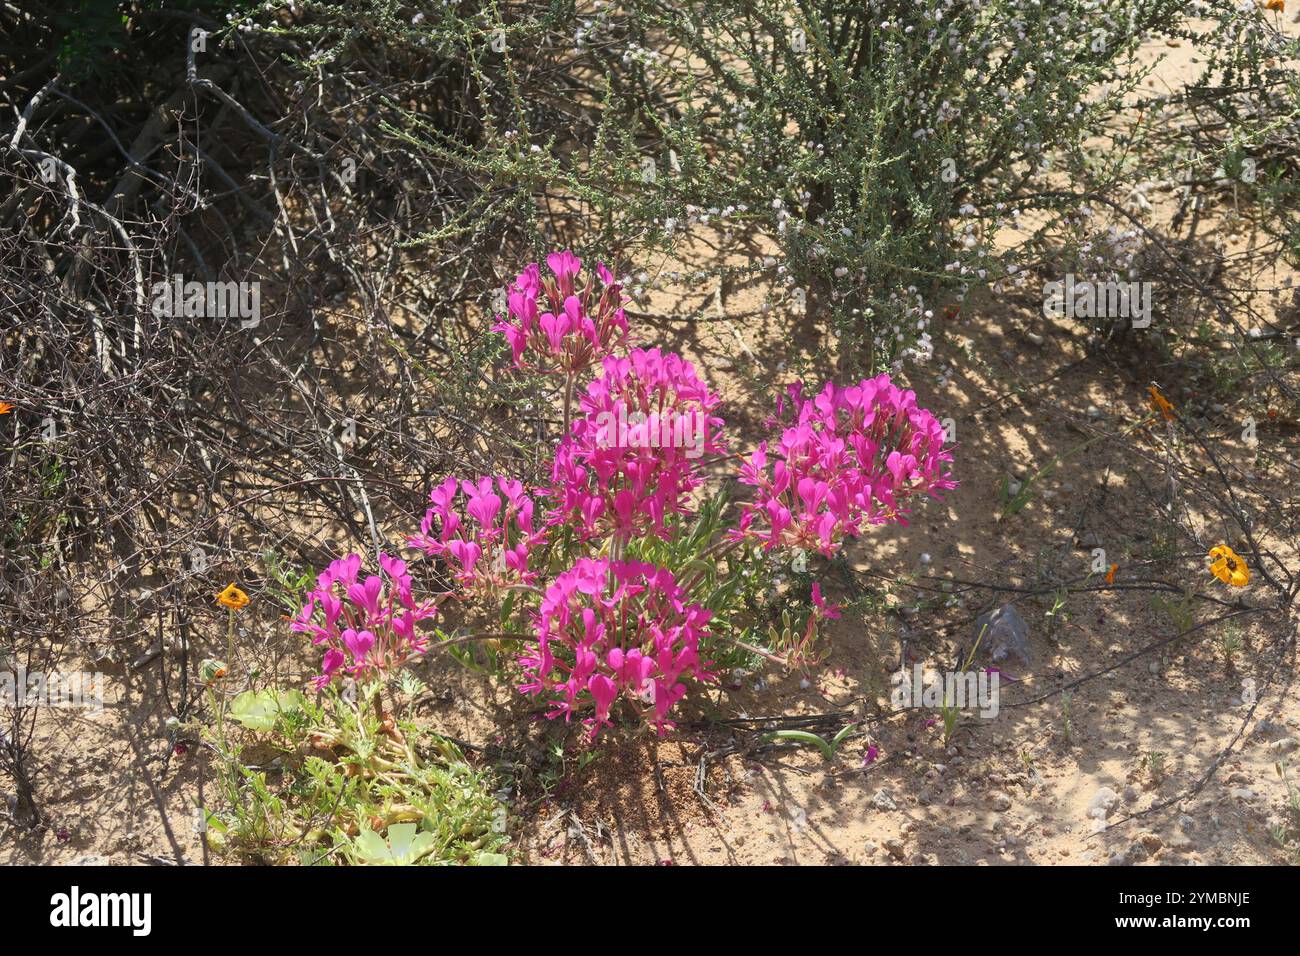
367	626
850	458
491	549
632	457
581	324
611	629
606	630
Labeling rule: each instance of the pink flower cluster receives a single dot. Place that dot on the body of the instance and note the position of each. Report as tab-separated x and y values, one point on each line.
632	457
851	457
368	626
581	326
610	628
488	547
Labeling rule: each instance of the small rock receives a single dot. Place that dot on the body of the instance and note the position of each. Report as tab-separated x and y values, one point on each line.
895	848
1263	728
1284	746
1004	634
1130	794
1243	793
90	859
1000	801
1102	801
1135	853
1150	841
884	800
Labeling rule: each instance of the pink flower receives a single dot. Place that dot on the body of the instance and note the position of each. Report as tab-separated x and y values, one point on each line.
846	459
483	505
615	636
358	644
610	630
573	327
830	611
603	691
371	627
633	456
491	549
565	265
366	596
334	660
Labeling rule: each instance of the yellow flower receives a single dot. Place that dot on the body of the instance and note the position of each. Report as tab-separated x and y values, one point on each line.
232	598
1238	575
1160	404
5	408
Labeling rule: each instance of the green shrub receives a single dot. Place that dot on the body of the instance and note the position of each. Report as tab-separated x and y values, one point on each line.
336	782
886	145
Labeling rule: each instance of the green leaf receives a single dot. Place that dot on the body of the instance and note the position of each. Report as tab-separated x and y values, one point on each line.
840	737
507	606
803	737
404	847
371	848
401	837
258	710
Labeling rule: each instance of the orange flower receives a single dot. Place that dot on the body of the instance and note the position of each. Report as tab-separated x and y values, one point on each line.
1110	575
1160	404
211	671
232	598
1278	5
5	408
1238	575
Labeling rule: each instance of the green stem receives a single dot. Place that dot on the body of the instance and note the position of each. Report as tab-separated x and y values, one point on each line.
568	401
230	641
